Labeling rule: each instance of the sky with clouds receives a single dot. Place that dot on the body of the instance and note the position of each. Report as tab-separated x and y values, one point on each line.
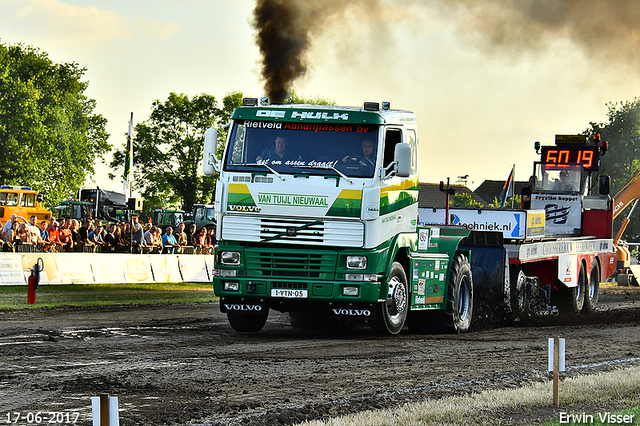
486	80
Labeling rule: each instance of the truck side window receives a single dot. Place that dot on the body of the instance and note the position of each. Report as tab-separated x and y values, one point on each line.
411	136
391	138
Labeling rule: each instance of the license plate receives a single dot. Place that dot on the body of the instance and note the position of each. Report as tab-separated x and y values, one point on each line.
289	294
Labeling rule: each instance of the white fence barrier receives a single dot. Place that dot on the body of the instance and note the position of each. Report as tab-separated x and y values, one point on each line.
94	268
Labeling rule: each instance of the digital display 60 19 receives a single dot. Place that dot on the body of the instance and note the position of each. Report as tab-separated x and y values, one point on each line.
587	156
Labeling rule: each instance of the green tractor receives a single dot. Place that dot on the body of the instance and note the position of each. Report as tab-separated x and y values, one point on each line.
204	215
72	209
163	218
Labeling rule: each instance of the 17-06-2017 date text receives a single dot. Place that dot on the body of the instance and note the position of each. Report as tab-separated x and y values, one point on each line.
40	417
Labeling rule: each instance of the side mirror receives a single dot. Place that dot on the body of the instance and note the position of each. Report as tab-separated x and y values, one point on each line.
402	156
210	161
604	185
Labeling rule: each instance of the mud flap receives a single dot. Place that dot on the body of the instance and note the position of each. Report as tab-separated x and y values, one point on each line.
568	270
244	306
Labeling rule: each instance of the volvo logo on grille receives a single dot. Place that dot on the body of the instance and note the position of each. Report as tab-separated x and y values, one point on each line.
291	231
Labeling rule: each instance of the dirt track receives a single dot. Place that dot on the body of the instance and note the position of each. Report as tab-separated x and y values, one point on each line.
183	364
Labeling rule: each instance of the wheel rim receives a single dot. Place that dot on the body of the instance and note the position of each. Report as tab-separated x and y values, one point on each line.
398	294
520	289
463	298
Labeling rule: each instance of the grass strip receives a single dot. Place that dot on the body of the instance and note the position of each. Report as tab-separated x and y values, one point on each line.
15	297
590	394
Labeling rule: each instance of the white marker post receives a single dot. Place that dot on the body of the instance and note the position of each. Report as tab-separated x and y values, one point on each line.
105	410
556	364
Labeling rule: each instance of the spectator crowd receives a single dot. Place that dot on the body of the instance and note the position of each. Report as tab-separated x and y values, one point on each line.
69	235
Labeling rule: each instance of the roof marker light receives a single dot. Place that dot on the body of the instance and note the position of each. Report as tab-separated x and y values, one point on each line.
371	106
249	101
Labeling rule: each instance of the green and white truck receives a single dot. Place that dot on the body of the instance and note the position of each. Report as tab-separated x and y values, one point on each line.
317	212
317	216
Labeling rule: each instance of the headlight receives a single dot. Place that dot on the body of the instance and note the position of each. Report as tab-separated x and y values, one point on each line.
230	258
356	262
231	286
348	290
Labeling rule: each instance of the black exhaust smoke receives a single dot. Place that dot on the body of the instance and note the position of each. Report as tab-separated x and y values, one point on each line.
282	41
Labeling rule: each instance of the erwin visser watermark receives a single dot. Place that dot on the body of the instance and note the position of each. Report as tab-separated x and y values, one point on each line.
605	418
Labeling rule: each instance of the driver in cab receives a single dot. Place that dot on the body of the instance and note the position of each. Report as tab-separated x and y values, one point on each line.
277	152
368	157
564	184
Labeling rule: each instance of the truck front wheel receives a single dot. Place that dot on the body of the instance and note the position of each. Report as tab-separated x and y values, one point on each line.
247	323
392	314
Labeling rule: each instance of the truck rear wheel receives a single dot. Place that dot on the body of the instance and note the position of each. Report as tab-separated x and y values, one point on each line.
572	298
392	314
247	323
593	289
517	290
456	318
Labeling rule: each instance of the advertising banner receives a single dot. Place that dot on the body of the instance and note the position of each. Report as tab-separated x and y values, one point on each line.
74	269
50	274
97	268
137	269
165	268
109	268
11	269
511	223
563	213
193	269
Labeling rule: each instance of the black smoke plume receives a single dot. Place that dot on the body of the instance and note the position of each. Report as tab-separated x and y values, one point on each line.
282	41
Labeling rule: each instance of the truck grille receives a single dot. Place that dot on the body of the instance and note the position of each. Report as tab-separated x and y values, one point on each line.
279	230
285	264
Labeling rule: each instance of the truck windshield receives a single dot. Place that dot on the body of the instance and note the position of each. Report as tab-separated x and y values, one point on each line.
565	180
311	148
